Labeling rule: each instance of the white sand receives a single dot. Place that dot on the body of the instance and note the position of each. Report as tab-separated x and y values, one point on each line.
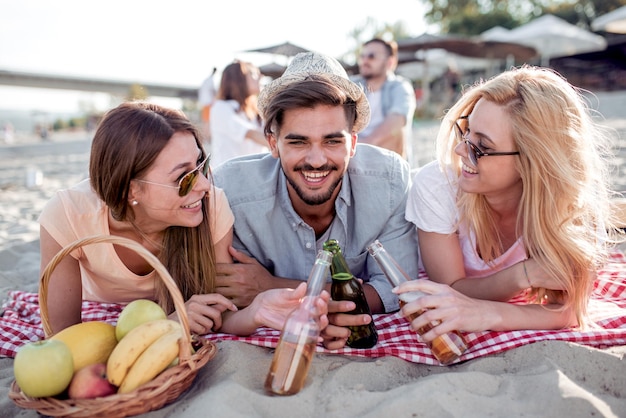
551	379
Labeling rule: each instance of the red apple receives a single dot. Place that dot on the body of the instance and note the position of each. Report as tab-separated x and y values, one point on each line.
91	382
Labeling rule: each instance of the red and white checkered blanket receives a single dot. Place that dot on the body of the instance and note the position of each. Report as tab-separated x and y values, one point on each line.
21	323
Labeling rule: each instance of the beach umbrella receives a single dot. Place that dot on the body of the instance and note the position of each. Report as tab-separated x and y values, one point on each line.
272	69
552	36
473	47
287	49
613	22
468	47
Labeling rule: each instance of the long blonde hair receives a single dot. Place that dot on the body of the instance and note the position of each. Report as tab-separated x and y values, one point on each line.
565	205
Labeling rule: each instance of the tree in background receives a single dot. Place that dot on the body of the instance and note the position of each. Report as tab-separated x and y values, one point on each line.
471	17
137	92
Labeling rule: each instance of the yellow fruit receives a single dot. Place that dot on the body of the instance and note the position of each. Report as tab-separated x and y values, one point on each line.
155	358
135	313
90	342
43	368
129	348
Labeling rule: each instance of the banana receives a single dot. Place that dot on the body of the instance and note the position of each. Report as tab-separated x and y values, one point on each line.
156	358
129	348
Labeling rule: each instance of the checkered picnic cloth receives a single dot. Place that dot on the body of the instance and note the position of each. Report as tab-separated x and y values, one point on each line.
607	310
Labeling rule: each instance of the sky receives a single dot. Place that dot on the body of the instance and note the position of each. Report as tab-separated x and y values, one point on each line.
176	42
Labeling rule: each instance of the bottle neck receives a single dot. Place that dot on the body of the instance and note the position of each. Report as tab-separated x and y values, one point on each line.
318	274
339	266
387	264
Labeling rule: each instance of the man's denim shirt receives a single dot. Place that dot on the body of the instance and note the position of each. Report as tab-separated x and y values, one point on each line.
370	206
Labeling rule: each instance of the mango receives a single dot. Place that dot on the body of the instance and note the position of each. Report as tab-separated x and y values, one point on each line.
90	342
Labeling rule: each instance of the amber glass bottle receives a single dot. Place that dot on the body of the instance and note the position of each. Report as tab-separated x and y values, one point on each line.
295	349
346	287
447	347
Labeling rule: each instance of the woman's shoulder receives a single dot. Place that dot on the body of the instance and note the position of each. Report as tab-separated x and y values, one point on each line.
73	213
433	174
218	194
80	198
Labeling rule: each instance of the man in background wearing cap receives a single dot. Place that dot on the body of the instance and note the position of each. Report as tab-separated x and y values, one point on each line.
316	184
391	98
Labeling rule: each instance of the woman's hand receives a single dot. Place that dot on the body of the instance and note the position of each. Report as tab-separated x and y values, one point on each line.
273	306
205	312
445	309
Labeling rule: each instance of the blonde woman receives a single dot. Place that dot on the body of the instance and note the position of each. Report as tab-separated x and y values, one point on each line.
516	202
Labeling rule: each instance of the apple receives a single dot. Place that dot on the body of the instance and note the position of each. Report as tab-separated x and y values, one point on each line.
91	382
135	313
43	368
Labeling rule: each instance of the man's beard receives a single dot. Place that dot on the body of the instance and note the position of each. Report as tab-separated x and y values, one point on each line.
319	199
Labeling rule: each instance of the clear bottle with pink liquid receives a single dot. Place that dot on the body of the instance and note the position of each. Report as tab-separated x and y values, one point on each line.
295	349
446	347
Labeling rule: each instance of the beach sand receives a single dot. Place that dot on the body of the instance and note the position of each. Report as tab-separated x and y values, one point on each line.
549	379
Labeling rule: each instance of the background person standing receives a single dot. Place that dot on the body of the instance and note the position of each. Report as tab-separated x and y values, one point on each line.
236	127
391	98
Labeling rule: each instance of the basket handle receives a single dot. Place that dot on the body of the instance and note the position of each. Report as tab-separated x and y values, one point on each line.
179	303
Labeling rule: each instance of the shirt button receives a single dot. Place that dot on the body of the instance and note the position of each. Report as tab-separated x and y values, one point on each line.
308	245
293	224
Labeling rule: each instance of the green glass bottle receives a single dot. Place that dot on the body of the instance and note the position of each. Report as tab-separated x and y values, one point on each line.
346	287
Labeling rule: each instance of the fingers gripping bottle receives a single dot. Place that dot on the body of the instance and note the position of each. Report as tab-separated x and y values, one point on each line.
346	287
447	347
295	349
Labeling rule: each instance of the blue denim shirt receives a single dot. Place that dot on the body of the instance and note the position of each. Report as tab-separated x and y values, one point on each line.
370	206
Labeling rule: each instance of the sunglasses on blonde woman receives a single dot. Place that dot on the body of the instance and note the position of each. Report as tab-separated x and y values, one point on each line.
186	183
473	152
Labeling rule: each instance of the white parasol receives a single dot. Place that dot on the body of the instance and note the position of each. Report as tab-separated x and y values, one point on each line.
552	37
613	22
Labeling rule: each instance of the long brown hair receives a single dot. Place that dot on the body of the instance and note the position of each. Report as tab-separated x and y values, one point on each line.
128	140
234	86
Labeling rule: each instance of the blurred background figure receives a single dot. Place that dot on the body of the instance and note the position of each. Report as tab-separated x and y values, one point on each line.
8	133
391	98
206	96
236	127
452	78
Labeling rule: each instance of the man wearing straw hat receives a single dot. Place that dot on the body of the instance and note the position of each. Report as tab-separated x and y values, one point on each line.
316	184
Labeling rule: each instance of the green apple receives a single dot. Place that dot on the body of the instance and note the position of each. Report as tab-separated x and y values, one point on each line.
135	313
43	368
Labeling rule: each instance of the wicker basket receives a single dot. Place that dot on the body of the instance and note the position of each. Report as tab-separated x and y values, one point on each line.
163	389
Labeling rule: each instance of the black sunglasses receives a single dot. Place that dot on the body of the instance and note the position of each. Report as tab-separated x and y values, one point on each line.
473	152
186	183
369	56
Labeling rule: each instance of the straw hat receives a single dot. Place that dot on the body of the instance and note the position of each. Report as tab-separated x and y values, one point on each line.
312	63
